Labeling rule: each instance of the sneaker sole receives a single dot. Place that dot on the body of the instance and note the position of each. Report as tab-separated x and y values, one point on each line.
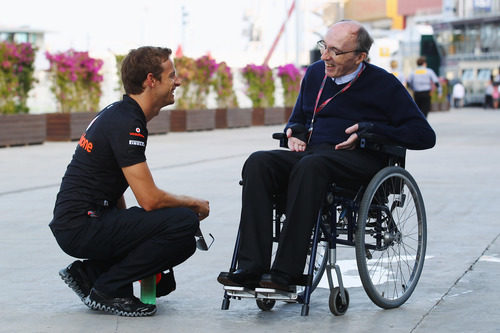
101	307
68	279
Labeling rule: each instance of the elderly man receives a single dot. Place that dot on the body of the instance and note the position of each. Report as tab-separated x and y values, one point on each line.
341	95
90	216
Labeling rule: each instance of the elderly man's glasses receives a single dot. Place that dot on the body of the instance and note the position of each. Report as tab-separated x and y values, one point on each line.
332	51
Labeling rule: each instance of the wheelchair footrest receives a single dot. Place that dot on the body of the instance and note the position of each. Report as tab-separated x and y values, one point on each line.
263	293
279	295
239	292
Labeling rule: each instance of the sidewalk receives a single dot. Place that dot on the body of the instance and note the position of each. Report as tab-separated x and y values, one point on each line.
458	290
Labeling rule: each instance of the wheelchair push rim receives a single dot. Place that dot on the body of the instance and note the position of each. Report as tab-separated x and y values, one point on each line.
391	237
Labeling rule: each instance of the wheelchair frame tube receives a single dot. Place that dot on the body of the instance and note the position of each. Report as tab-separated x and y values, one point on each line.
310	271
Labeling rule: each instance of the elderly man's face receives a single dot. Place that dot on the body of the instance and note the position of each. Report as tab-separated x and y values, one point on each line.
341	37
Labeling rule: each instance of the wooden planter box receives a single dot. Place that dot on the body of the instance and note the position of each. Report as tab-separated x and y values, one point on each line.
67	126
268	116
444	106
22	129
258	117
220	118
177	120
239	117
159	124
192	120
274	115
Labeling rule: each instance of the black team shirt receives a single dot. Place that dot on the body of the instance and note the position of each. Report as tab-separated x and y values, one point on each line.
93	181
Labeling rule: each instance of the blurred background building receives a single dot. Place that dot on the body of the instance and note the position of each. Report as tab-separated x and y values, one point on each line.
460	38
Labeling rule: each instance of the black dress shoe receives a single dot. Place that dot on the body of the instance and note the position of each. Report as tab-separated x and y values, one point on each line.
276	280
240	278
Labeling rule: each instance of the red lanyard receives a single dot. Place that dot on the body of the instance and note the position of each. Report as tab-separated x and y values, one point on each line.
318	109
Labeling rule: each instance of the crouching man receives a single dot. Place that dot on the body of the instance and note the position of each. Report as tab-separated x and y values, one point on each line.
121	245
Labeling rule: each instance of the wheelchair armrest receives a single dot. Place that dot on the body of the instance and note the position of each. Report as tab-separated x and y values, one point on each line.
380	143
282	137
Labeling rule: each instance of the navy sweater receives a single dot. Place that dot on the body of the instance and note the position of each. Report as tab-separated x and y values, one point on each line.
376	98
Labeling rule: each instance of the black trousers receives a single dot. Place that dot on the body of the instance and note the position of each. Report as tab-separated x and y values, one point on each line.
304	178
126	245
423	101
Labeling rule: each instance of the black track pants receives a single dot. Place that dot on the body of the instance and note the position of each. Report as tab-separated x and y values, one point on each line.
304	178
123	246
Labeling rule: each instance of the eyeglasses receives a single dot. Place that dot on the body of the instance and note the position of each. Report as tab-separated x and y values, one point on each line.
332	51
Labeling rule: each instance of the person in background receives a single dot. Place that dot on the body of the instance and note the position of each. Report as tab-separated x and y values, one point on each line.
495	95
488	94
458	94
422	81
396	72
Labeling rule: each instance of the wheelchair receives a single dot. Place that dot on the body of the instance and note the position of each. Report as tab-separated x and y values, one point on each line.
384	221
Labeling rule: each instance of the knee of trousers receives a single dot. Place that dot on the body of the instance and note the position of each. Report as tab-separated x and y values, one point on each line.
256	163
190	219
184	222
310	167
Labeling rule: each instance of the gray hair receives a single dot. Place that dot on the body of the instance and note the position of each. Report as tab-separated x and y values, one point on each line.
363	38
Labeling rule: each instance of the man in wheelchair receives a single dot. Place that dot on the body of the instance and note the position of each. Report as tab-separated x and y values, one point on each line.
341	97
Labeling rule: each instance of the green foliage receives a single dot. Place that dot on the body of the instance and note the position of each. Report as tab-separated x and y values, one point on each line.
290	80
223	86
260	85
435	98
185	68
16	76
199	77
119	60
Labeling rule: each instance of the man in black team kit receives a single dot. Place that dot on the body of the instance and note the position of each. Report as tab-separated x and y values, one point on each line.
122	245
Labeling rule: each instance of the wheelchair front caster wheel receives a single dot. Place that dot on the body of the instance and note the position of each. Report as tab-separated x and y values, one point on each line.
265	304
335	302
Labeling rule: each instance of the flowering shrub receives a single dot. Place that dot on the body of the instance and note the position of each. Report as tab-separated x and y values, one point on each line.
16	76
185	68
197	76
260	85
290	80
76	81
223	86
205	68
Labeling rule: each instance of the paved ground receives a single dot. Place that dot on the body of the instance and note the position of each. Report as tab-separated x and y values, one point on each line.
458	290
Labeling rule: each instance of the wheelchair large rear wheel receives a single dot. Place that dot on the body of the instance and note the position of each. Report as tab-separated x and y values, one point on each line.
391	237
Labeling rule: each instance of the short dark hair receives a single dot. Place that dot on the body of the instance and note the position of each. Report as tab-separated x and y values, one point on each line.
138	63
421	61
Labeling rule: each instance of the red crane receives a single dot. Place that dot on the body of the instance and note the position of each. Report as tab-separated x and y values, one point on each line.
276	40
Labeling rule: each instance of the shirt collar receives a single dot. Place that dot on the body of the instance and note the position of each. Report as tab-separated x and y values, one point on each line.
348	77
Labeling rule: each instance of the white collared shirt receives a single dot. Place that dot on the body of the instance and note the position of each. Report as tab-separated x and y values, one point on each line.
348	77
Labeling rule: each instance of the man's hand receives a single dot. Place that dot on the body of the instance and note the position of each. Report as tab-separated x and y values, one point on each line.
201	207
350	143
293	143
